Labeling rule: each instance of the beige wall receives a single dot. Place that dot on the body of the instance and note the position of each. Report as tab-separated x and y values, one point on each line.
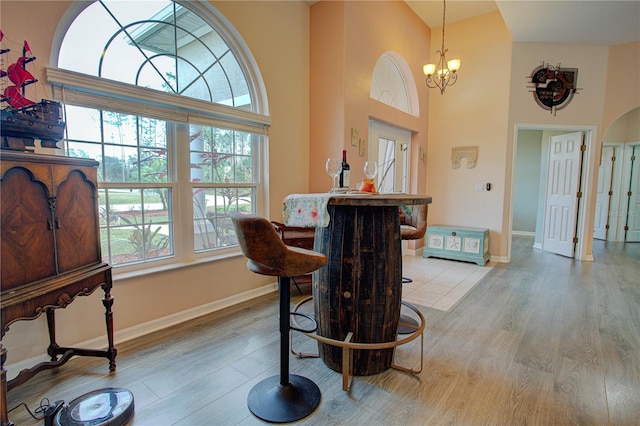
473	112
624	129
596	99
622	83
277	32
347	39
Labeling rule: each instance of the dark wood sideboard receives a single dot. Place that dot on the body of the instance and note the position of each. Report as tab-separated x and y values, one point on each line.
49	251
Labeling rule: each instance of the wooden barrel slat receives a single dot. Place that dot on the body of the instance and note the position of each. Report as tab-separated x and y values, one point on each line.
359	289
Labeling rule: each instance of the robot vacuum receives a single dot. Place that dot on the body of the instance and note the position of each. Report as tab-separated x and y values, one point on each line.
109	406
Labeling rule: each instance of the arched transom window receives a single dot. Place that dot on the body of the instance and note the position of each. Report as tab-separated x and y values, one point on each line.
388	85
159	45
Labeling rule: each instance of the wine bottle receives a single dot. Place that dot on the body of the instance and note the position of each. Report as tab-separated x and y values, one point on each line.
345	172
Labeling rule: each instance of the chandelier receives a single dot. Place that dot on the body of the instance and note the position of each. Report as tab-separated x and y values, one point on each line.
445	71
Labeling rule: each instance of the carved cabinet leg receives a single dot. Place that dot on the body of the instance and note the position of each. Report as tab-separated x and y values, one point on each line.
51	324
107	301
4	414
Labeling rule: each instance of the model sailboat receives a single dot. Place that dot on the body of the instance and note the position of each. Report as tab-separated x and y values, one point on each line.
21	119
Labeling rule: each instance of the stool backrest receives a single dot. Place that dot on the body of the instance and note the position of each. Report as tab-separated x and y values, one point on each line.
416	223
259	241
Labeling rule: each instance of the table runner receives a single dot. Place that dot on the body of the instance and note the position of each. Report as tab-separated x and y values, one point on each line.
306	210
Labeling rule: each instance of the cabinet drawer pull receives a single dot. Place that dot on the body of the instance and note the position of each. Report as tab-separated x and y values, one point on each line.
453	233
57	223
49	224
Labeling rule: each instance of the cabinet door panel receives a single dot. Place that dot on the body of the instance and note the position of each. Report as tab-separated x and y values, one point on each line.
471	245
76	223
26	243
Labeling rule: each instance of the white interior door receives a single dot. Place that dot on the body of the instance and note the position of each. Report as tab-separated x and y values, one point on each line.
633	202
563	184
389	146
603	193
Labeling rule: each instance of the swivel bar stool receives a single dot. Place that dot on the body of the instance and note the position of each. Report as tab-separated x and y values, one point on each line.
284	398
412	227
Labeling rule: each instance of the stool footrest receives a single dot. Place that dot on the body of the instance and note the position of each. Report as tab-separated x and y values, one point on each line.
348	346
304	330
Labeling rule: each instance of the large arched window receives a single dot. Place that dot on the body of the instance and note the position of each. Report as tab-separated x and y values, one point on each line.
168	101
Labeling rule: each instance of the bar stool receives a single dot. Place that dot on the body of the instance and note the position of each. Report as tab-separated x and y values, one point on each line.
284	398
412	227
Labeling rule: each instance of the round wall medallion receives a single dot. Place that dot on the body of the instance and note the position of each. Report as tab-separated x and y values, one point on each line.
553	87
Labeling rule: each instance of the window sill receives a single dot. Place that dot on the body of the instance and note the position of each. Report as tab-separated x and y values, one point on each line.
126	273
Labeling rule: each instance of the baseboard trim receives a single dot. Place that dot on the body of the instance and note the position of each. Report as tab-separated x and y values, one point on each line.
525	233
417	252
151	326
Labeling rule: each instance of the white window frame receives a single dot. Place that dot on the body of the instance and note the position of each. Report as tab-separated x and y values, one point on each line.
95	92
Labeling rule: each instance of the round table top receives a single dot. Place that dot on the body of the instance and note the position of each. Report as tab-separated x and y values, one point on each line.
371	199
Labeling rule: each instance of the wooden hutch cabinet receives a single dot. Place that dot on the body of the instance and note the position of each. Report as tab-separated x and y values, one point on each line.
49	251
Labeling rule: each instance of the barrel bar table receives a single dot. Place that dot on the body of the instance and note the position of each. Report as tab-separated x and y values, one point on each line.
359	290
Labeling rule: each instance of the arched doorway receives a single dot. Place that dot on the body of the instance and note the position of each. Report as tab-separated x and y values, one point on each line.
617	216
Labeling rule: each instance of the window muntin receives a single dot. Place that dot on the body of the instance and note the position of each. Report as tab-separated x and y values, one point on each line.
388	85
165	47
160	45
135	203
212	215
135	224
222	171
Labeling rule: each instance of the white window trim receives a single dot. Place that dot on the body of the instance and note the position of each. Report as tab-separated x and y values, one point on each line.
95	92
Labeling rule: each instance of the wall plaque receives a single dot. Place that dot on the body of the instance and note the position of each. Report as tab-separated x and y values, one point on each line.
460	152
553	87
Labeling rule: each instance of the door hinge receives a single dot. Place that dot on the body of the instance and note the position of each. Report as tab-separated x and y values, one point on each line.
626	228
579	194
633	158
575	240
606	227
610	193
629	193
613	158
583	147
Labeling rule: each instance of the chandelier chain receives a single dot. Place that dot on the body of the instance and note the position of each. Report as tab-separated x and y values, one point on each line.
444	13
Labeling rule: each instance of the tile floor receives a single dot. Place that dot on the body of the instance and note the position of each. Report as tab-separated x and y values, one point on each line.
439	283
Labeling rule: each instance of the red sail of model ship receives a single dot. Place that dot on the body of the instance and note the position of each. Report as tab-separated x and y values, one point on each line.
24	120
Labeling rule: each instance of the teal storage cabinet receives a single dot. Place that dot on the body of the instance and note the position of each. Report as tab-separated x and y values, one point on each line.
458	243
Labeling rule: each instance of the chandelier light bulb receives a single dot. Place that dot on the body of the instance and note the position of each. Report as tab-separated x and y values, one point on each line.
454	65
429	69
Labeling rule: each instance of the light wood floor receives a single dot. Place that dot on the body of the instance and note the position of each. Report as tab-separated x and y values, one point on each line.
543	340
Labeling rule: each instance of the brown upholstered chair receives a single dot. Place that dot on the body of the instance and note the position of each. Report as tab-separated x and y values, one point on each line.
283	398
413	226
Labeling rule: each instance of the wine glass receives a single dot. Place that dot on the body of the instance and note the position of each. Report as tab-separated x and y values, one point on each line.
333	168
370	169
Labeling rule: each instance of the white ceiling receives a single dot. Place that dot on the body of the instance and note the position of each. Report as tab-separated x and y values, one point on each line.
608	22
